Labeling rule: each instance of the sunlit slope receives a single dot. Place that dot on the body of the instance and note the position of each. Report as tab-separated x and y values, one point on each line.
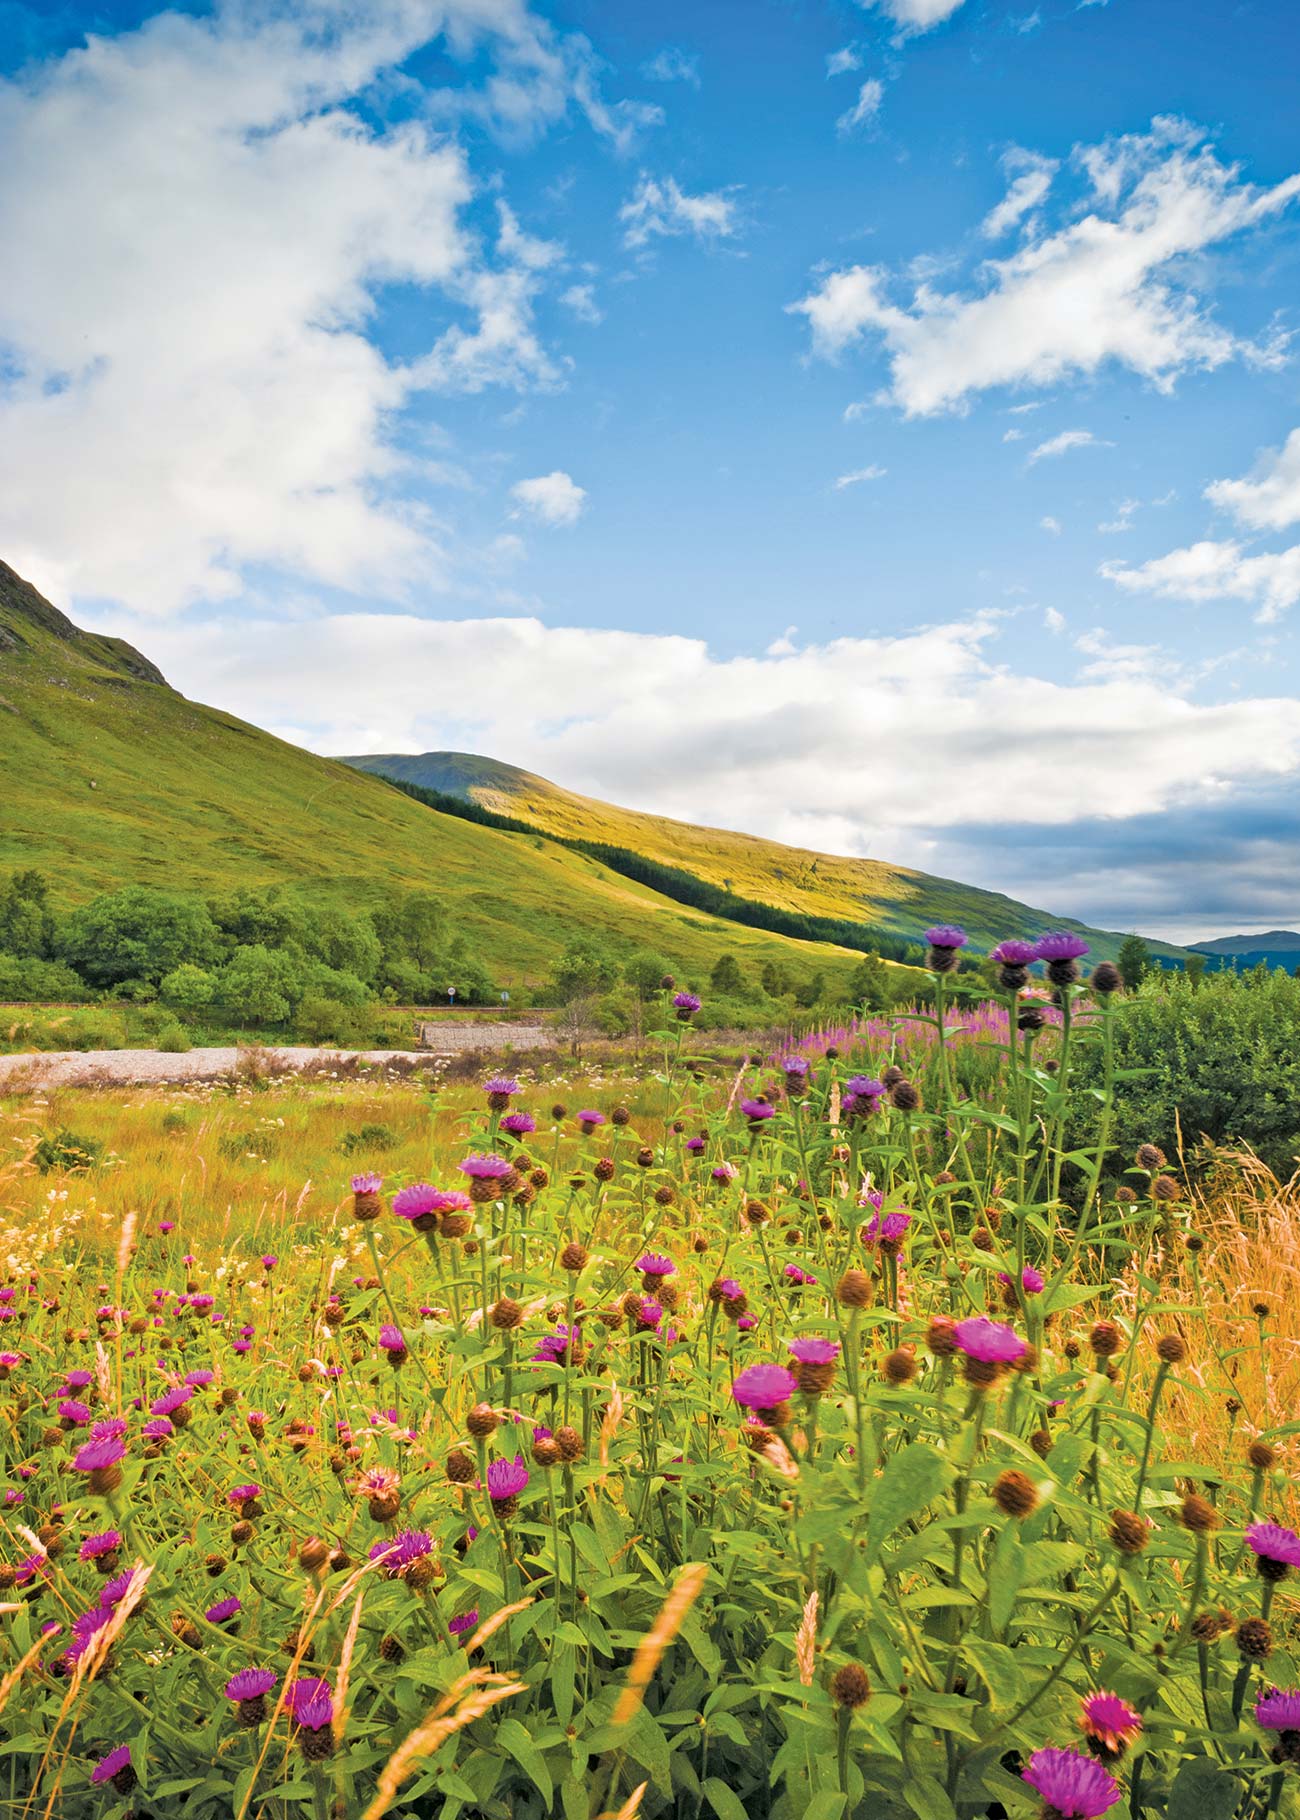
108	777
888	897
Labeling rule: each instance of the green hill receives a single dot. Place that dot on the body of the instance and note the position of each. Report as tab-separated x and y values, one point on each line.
889	898
110	777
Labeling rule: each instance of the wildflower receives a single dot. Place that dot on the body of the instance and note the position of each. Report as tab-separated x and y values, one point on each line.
695	1145
223	1611
392	1342
685	1004
1255	1639
1198	1515
905	1097
1261	1456
102	1549
1073	1786
1015	1493
421	1204
490	1176
243	1498
1109	1724
797	1276
310	1704
462	1626
172	1403
1106	978
850	1686
944	942
758	1111
655	1265
589	1120
563	1347
1278	1710
505	1480
73	1414
101	1462
402	1552
366	1204
1031	1281
1014	959
888	1230
574	1258
723	1172
815	1362
765	1387
795	1070
1171	1349
161	1428
989	1342
519	1124
499	1090
248	1690
1129	1532
116	1768
1062	951
853	1289
379	1486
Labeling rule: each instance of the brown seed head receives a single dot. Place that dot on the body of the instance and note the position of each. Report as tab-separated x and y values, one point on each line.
1129	1532
1261	1455
850	1686
1198	1515
482	1421
854	1289
1255	1639
569	1442
1171	1349
1015	1493
899	1366
1105	1339
505	1314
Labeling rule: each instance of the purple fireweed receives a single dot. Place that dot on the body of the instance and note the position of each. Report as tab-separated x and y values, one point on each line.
764	1387
991	1342
1072	1785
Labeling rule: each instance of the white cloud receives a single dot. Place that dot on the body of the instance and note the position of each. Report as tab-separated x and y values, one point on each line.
842	62
864	109
552	498
581	299
913	16
1051	524
758	741
204	225
1271	499
1029	179
1111	286
1067	440
1217	571
673	65
1123	519
1054	621
661	206
859	474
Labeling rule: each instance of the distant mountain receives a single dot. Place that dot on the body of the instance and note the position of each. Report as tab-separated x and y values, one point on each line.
109	777
1275	948
893	899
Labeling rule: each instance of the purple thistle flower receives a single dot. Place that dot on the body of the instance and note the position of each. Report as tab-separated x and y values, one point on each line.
269	1260
114	1429
886	1228
656	1264
1271	1542
243	1494
814	1352
1279	1709
1110	1720
413	1202
199	1380
107	1542
506	1479
486	1168
1060	945
35	1566
764	1387
250	1684
170	1401
78	1380
159	1429
466	1622
686	1002
723	1172
391	1340
309	1702
864	1087
222	1610
519	1124
114	1591
590	1119
554	1348
501	1083
946	935
1014	953
369	1183
793	1065
98	1456
756	1111
398	1553
1072	1785
992	1342
109	1768
797	1276
76	1413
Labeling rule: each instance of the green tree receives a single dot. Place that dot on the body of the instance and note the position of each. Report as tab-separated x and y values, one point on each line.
1133	961
27	925
645	973
583	971
811	992
188	988
726	977
1194	968
260	985
870	986
774	979
137	933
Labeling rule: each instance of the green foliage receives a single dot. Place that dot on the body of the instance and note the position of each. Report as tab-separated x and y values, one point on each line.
26	919
260	985
583	970
1133	961
645	972
137	933
67	1151
726	976
188	988
28	981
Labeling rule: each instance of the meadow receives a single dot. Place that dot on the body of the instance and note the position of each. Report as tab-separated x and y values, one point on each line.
829	1433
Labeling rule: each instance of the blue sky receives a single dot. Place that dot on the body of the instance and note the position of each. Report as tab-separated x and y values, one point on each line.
867	425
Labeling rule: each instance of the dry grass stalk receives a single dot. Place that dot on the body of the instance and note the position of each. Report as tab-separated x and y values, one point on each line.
345	1669
466	1700
610	1423
630	1808
805	1642
490	1626
650	1650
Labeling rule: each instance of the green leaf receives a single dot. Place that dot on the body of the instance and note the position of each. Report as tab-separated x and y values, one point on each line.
724	1801
516	1740
927	1799
1006	1576
1203	1791
826	1806
563	1664
913	1478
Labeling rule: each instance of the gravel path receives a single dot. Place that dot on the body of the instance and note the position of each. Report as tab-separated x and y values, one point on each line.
104	1067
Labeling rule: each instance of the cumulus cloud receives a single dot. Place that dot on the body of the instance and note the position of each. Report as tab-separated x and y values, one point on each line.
659	206
859	474
914	16
553	499
1109	286
1029	179
1062	444
864	109
204	223
1269	500
841	62
581	299
773	742
1051	524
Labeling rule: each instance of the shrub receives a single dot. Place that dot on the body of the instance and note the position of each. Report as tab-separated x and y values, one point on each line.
95	1028
137	933
26	981
67	1151
173	1039
188	989
327	1020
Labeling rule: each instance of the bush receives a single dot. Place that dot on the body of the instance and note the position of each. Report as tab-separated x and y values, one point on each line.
93	1028
67	1150
188	988
368	1139
328	1020
25	981
137	933
173	1039
260	985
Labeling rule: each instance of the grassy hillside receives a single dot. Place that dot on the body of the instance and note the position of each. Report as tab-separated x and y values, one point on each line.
888	897
108	777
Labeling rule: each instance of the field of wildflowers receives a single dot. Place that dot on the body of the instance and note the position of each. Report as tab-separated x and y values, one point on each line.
828	1441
